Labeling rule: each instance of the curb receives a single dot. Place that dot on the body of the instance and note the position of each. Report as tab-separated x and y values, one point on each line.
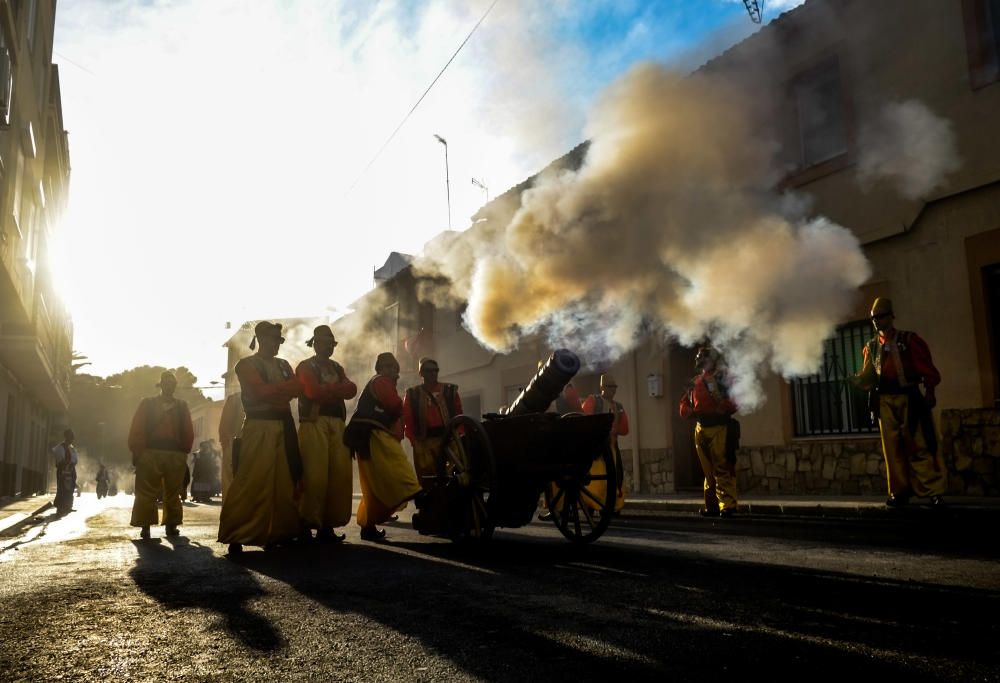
872	512
9	526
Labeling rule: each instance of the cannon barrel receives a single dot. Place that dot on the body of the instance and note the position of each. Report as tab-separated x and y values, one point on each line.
547	384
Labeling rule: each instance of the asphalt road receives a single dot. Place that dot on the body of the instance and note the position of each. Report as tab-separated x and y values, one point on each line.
680	597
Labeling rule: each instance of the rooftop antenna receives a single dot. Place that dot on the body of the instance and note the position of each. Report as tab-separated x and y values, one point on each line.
755	10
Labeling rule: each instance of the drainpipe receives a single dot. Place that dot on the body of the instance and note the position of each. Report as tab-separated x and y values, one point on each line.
635	422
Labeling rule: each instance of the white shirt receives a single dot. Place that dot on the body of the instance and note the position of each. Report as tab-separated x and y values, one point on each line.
59	455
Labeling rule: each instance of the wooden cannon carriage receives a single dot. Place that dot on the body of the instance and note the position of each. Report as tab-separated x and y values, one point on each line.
492	473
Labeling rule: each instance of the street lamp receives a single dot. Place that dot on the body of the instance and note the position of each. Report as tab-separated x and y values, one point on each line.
447	180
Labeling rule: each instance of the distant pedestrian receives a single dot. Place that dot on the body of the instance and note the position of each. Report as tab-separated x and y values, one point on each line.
160	439
716	433
205	473
260	507
896	363
328	498
388	481
102	480
66	459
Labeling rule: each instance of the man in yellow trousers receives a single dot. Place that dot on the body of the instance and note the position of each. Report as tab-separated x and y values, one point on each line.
160	438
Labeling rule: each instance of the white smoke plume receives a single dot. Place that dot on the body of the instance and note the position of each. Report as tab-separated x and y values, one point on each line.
670	227
908	145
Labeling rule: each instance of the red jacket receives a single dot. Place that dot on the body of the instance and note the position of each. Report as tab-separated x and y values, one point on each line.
707	398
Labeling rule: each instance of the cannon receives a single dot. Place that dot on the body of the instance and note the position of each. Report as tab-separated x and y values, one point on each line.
492	473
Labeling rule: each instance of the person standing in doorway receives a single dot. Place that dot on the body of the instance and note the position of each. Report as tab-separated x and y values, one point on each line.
707	401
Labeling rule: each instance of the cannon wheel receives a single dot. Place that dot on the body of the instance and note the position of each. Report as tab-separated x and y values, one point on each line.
577	520
466	462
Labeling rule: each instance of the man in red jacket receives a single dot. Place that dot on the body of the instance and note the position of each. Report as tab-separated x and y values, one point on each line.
896	363
427	408
160	439
326	461
707	401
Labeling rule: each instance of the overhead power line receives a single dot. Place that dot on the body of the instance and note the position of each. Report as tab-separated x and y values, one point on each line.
421	99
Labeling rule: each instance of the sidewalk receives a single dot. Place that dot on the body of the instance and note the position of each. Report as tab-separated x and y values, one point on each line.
16	512
831	507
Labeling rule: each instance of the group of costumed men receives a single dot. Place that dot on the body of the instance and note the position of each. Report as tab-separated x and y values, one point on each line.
280	484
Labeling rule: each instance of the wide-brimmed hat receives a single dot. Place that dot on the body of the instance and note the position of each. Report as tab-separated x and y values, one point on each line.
167	375
266	328
322	332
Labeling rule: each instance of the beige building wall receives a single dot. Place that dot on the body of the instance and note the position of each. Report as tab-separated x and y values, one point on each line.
35	327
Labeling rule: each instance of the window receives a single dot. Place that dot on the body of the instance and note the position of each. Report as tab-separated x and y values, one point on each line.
825	403
822	122
982	40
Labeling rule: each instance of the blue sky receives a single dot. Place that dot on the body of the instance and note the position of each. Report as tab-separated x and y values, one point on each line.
219	145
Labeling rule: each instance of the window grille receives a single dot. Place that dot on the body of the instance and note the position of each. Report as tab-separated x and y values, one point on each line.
826	403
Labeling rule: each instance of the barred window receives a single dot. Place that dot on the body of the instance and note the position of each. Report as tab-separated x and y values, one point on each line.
826	403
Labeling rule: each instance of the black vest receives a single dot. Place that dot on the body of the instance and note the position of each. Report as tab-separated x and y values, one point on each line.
368	410
415	394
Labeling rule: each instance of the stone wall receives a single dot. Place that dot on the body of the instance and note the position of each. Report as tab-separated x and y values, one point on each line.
848	467
656	470
970	443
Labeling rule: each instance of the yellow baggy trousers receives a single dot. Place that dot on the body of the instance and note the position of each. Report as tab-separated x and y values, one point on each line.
260	507
910	467
158	472
720	475
387	480
328	473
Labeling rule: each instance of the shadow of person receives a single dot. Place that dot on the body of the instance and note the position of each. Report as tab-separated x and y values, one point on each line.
456	611
520	609
183	574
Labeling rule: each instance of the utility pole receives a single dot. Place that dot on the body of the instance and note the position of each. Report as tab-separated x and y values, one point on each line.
447	180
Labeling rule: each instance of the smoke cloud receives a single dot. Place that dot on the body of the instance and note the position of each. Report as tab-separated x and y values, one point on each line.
910	146
670	227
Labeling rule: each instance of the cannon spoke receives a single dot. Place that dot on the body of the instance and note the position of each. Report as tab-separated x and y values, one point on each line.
466	463
590	494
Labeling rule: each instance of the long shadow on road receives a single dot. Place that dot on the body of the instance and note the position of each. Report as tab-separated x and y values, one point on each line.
521	608
182	574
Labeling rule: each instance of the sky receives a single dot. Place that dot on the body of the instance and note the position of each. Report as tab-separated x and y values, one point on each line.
234	161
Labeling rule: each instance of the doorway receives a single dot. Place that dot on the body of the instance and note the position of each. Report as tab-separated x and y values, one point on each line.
687	471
